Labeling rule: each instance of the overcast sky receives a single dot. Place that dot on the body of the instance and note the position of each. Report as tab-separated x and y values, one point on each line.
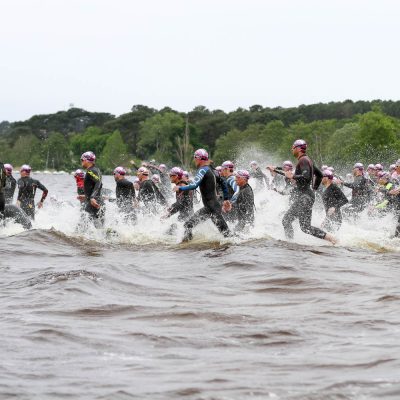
109	55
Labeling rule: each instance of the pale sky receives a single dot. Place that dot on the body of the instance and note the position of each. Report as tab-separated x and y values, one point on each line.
109	55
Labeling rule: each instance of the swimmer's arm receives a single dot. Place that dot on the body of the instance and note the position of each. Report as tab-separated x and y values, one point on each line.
196	181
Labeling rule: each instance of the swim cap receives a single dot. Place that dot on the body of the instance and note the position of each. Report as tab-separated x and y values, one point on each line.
324	167
26	168
287	164
155	178
143	171
253	163
371	166
162	166
300	143
8	167
227	165
242	173
359	166
119	171
383	175
186	174
398	163
327	174
219	168
88	156
331	169
79	174
176	171
379	167
201	154
392	167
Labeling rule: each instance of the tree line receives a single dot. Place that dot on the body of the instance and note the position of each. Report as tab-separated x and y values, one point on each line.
339	133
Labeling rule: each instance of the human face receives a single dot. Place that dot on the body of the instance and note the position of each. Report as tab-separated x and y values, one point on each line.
174	178
240	181
85	163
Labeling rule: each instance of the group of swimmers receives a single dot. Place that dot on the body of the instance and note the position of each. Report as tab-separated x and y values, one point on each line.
225	192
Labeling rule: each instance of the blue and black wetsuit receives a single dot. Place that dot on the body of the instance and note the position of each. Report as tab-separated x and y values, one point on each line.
205	179
307	177
233	193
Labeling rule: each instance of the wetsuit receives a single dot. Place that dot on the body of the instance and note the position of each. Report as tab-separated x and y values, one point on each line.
260	178
303	198
233	193
333	197
26	194
92	186
125	193
18	215
360	195
183	204
289	185
150	196
2	186
9	189
245	208
80	182
386	202
205	178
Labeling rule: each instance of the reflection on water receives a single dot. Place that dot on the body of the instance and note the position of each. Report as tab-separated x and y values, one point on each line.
135	314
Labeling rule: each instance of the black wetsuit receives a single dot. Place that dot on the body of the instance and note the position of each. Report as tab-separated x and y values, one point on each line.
288	185
333	197
245	208
125	193
150	196
183	204
9	189
205	178
92	186
303	198
260	178
360	195
26	194
2	185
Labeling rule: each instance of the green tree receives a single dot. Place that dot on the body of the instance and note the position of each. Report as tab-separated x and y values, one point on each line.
56	152
114	153
92	139
158	136
27	150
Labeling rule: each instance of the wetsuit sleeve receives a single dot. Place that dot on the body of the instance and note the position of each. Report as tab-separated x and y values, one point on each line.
318	178
96	178
196	181
182	202
235	188
224	187
357	184
305	177
13	185
43	189
19	191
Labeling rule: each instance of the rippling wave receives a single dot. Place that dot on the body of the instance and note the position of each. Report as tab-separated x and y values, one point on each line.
135	314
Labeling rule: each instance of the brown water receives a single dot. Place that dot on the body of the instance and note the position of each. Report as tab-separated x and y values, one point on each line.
133	316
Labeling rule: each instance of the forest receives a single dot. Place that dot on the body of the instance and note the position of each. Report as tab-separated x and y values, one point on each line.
338	133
